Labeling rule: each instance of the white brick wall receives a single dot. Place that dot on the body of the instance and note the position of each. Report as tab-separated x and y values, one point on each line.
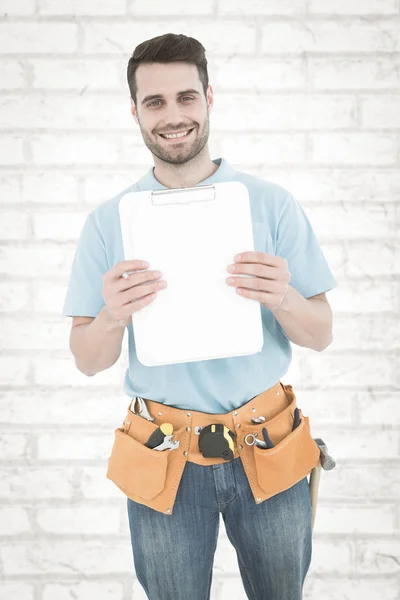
311	88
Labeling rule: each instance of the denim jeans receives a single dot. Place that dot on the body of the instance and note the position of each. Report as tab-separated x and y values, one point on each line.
174	554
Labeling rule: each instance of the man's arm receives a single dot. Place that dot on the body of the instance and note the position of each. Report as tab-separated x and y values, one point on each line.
96	346
306	322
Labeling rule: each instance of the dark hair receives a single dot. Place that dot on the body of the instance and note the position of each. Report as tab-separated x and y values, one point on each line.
168	48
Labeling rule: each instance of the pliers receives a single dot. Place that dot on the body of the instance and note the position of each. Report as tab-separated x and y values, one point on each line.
267	443
143	412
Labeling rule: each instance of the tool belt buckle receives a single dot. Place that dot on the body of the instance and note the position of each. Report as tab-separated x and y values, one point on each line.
217	441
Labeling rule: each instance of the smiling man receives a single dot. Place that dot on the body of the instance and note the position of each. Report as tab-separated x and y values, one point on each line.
173	116
239	445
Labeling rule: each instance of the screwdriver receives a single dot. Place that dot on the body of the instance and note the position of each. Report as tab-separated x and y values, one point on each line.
158	435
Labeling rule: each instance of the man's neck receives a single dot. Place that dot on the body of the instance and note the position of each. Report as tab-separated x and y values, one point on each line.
187	175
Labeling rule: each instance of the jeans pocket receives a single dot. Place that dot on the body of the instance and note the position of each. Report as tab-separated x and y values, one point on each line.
289	461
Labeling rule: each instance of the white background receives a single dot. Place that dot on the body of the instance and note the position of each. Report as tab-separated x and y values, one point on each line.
307	95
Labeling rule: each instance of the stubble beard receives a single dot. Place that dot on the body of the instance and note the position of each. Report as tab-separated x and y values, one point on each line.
178	156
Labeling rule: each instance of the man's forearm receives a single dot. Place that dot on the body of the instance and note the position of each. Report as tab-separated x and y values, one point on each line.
96	346
306	322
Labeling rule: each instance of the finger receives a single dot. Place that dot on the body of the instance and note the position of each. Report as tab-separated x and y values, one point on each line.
127	265
264	297
258	257
137	278
139	303
255	283
257	270
141	291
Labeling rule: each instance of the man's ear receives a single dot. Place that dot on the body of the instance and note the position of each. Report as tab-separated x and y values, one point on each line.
210	98
133	111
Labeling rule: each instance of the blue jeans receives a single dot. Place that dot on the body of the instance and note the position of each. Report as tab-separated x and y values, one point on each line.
174	554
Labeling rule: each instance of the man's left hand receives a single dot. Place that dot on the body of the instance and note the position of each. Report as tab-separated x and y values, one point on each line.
269	281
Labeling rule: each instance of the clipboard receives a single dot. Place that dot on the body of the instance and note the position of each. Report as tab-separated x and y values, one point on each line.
191	235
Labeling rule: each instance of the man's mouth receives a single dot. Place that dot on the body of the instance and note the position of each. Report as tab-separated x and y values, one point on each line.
180	135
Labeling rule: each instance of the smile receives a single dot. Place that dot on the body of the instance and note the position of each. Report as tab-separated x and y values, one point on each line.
176	136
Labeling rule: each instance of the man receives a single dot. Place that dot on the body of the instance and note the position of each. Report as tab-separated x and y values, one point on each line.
173	554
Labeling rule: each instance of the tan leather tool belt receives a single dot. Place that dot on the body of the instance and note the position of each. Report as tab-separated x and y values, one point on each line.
152	477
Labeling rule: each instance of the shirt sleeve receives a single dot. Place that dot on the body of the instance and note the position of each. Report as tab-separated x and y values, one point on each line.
84	292
297	242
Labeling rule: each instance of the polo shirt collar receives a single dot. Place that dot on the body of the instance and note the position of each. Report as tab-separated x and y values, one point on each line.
225	172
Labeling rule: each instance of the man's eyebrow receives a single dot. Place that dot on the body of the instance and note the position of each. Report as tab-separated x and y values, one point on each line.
154	96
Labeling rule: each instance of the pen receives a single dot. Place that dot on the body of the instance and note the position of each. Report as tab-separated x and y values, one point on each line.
126	274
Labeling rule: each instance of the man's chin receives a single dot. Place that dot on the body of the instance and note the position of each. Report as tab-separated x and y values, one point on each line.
173	152
175	159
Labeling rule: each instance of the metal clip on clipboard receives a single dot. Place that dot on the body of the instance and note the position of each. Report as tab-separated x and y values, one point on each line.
182	191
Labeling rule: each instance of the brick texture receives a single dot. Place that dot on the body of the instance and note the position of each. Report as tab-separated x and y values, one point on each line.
307	94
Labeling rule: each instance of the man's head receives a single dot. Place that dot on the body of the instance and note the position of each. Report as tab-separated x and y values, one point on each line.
168	82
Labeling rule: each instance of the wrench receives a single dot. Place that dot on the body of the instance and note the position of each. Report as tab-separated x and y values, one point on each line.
168	444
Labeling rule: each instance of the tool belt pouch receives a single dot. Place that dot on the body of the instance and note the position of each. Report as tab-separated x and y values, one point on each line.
147	476
293	456
289	461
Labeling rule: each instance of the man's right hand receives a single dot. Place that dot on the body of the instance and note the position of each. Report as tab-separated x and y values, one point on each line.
123	297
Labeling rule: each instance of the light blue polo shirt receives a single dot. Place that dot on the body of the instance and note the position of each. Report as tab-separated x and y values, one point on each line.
280	227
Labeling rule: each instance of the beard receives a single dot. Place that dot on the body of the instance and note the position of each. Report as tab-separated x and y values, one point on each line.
178	153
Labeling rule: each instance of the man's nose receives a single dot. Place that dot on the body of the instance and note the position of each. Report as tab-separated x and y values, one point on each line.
174	118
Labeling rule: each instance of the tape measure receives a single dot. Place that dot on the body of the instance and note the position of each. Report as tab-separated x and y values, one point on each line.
216	441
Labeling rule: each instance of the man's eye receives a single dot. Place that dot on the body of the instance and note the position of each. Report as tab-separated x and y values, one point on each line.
183	98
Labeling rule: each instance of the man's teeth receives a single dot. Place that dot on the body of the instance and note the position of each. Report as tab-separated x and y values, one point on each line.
175	135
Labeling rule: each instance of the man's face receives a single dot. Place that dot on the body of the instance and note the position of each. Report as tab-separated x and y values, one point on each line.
172	111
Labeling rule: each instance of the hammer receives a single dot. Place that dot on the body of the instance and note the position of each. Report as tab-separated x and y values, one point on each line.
327	463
